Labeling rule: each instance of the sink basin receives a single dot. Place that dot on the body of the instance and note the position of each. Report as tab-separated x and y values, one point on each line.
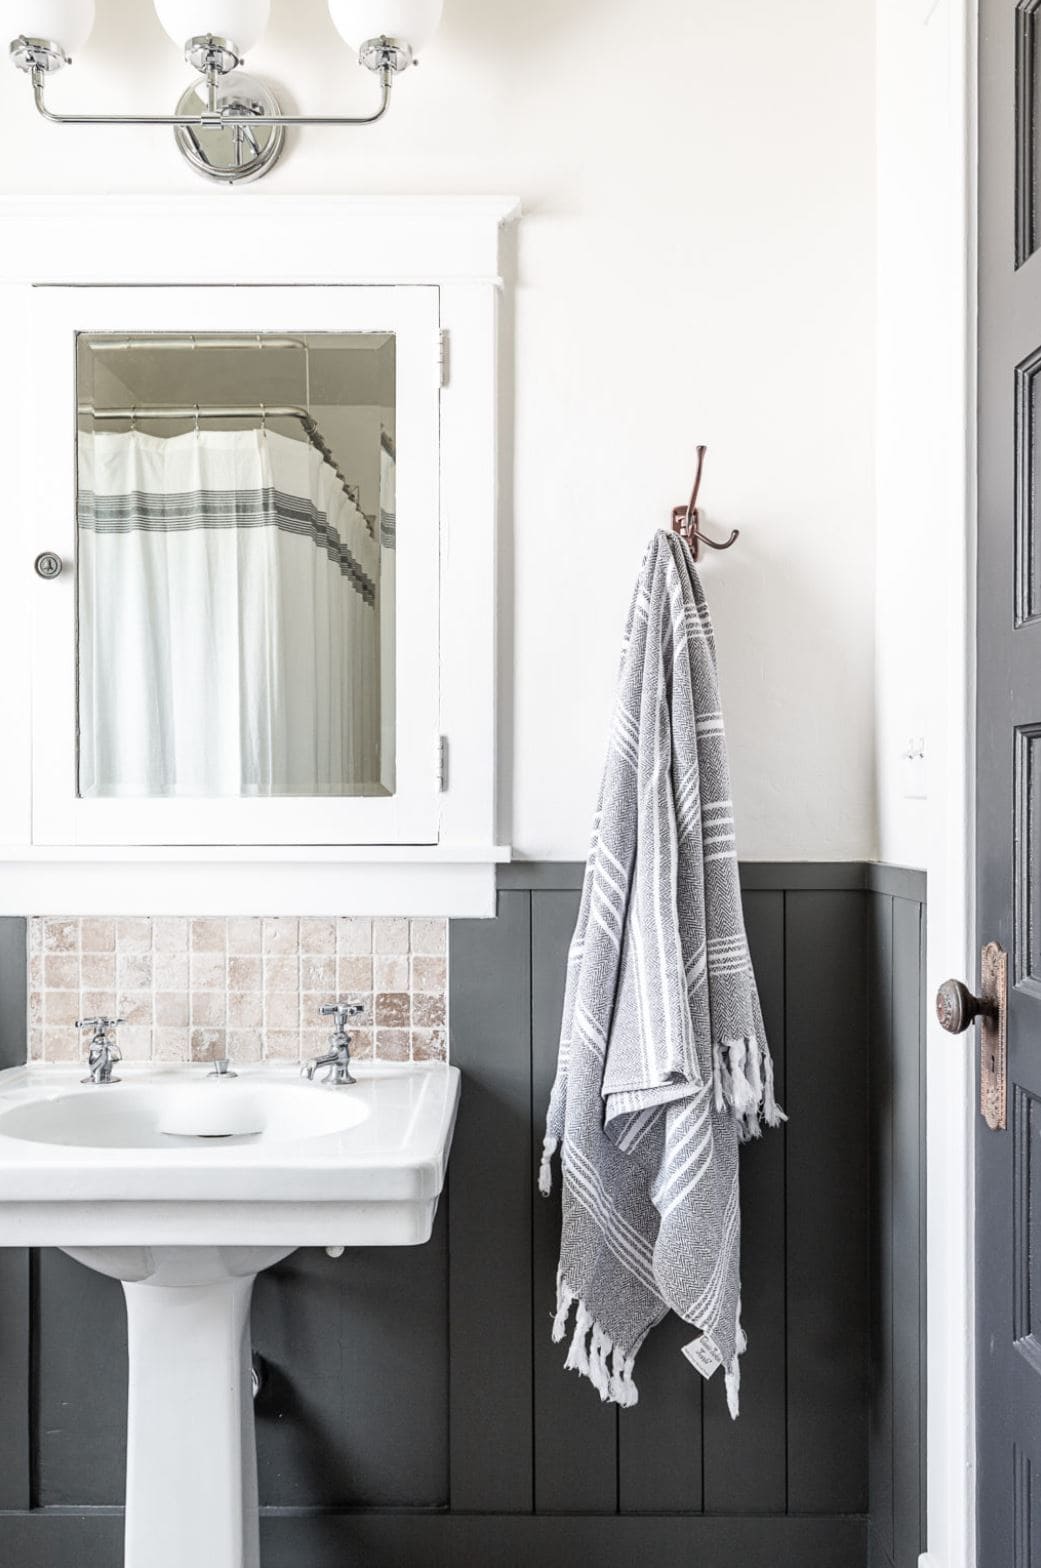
184	1186
174	1115
175	1157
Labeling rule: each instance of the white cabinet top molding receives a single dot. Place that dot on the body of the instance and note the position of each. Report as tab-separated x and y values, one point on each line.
247	238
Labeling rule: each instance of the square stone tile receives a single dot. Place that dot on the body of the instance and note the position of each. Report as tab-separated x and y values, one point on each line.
244	933
170	933
392	1010
208	935
170	971
318	974
429	974
282	1010
98	1004
61	972
135	1044
353	974
62	1045
429	1045
134	971
170	1044
61	1008
354	936
245	1045
135	1008
207	972
392	1045
318	936
390	935
134	935
61	936
429	937
282	1045
171	1010
209	1009
390	972
281	973
245	974
97	935
428	1009
281	935
208	1044
245	1010
98	971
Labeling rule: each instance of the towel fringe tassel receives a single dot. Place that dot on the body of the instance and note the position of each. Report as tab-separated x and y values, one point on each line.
743	1083
549	1149
592	1353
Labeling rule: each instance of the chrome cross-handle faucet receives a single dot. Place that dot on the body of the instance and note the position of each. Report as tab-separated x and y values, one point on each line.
104	1052
338	1057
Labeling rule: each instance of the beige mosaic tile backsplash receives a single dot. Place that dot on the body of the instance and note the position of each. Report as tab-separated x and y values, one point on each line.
191	989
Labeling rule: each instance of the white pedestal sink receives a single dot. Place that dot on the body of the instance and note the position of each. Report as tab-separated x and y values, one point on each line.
184	1187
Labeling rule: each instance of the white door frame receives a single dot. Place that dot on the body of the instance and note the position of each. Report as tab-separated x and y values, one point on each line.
950	1077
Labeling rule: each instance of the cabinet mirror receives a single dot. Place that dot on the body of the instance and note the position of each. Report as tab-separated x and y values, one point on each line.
235	564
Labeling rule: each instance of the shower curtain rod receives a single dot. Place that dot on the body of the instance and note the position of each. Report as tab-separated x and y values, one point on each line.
197	411
262	411
193	340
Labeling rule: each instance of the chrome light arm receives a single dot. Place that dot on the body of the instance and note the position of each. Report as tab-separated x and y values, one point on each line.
229	126
211	120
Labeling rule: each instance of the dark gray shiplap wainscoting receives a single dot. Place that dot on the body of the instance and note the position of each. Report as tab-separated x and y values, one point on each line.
415	1411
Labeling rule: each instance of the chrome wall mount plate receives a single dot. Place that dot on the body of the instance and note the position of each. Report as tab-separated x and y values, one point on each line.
235	151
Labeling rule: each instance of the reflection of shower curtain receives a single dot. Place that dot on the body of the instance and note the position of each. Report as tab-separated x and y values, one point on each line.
227	637
388	603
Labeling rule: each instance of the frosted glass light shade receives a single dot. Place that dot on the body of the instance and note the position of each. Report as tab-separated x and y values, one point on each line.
241	21
413	21
64	22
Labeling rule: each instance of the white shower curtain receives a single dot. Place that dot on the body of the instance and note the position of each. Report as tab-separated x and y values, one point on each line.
227	620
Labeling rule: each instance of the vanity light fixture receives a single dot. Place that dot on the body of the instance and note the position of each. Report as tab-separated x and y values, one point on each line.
228	125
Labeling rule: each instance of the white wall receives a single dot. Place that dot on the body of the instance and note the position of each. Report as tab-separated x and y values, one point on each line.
696	263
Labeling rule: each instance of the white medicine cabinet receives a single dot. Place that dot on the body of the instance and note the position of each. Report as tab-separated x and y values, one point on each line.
247	604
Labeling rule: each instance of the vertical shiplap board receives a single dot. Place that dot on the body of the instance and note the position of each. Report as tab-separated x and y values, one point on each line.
491	1185
13	979
745	1460
15	1383
880	1388
907	1211
827	1104
79	1371
576	1469
354	1408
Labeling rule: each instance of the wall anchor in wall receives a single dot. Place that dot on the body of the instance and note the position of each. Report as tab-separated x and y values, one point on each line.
685	518
228	125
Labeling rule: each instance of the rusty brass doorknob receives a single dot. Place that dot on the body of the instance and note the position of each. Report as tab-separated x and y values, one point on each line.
956	1006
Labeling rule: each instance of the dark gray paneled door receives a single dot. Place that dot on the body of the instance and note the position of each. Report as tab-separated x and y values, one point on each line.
1008	1161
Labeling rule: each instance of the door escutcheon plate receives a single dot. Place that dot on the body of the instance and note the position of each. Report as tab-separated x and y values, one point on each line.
993	1035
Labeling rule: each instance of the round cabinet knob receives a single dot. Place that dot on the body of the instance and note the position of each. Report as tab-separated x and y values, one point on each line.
48	565
956	1006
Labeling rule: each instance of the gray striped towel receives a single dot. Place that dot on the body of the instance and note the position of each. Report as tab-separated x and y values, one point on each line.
663	1065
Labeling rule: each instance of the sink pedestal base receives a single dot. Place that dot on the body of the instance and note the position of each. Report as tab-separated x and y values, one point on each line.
191	1450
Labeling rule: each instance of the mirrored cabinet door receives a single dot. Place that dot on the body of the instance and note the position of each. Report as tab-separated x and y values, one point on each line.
241	486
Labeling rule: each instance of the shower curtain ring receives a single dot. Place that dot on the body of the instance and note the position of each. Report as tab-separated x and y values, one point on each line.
196	421
263	421
133	420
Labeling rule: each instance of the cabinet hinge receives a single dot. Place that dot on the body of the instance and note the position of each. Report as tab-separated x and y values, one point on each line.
442	764
442	358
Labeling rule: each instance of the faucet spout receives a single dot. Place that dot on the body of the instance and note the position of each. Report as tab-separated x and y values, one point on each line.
338	1057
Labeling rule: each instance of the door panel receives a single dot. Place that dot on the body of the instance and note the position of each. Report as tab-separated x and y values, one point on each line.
1008	1161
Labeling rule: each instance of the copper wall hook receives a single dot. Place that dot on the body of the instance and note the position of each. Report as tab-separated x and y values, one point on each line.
685	519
